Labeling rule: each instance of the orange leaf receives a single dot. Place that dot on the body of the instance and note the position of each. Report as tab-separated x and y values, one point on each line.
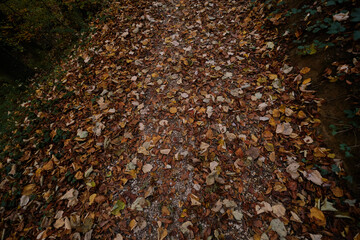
239	153
305	70
318	216
338	192
48	166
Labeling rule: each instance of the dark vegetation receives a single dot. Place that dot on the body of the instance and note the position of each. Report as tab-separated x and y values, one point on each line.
325	36
34	36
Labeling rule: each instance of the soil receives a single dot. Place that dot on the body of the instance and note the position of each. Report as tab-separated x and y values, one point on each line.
335	97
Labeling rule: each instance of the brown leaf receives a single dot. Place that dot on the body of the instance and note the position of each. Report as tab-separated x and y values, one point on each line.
239	153
165	211
253	152
209	134
100	199
48	166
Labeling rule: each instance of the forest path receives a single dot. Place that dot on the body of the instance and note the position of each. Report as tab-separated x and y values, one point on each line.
187	123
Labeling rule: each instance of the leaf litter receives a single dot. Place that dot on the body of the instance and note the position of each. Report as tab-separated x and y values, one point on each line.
185	122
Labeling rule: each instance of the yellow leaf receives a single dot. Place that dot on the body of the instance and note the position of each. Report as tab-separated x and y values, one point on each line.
357	237
92	198
38	172
173	110
162	233
318	216
272	122
202	110
269	147
132	224
279	187
333	79
257	237
91	184
306	81
79	175
273	76
276	113
320	152
28	189
301	115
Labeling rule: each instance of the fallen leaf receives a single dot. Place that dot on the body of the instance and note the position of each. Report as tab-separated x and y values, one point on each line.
315	236
24	200
237	215
294	217
184	227
318	216
341	16
305	70
48	166
210	179
279	210
209	111
165	211
218	206
88	172
284	128
149	192
292	169
29	189
204	147
173	110
92	198
338	192
278	227
82	134
194	200
138	204
118	206
263	207
165	151
314	176
59	223
132	224
162	233
118	237
239	152
327	206
253	152
229	203
147	168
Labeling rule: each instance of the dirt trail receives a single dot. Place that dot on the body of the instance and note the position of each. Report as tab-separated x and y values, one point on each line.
186	123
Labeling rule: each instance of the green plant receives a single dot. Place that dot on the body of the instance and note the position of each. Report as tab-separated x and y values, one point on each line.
334	2
355	15
335	27
344	147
